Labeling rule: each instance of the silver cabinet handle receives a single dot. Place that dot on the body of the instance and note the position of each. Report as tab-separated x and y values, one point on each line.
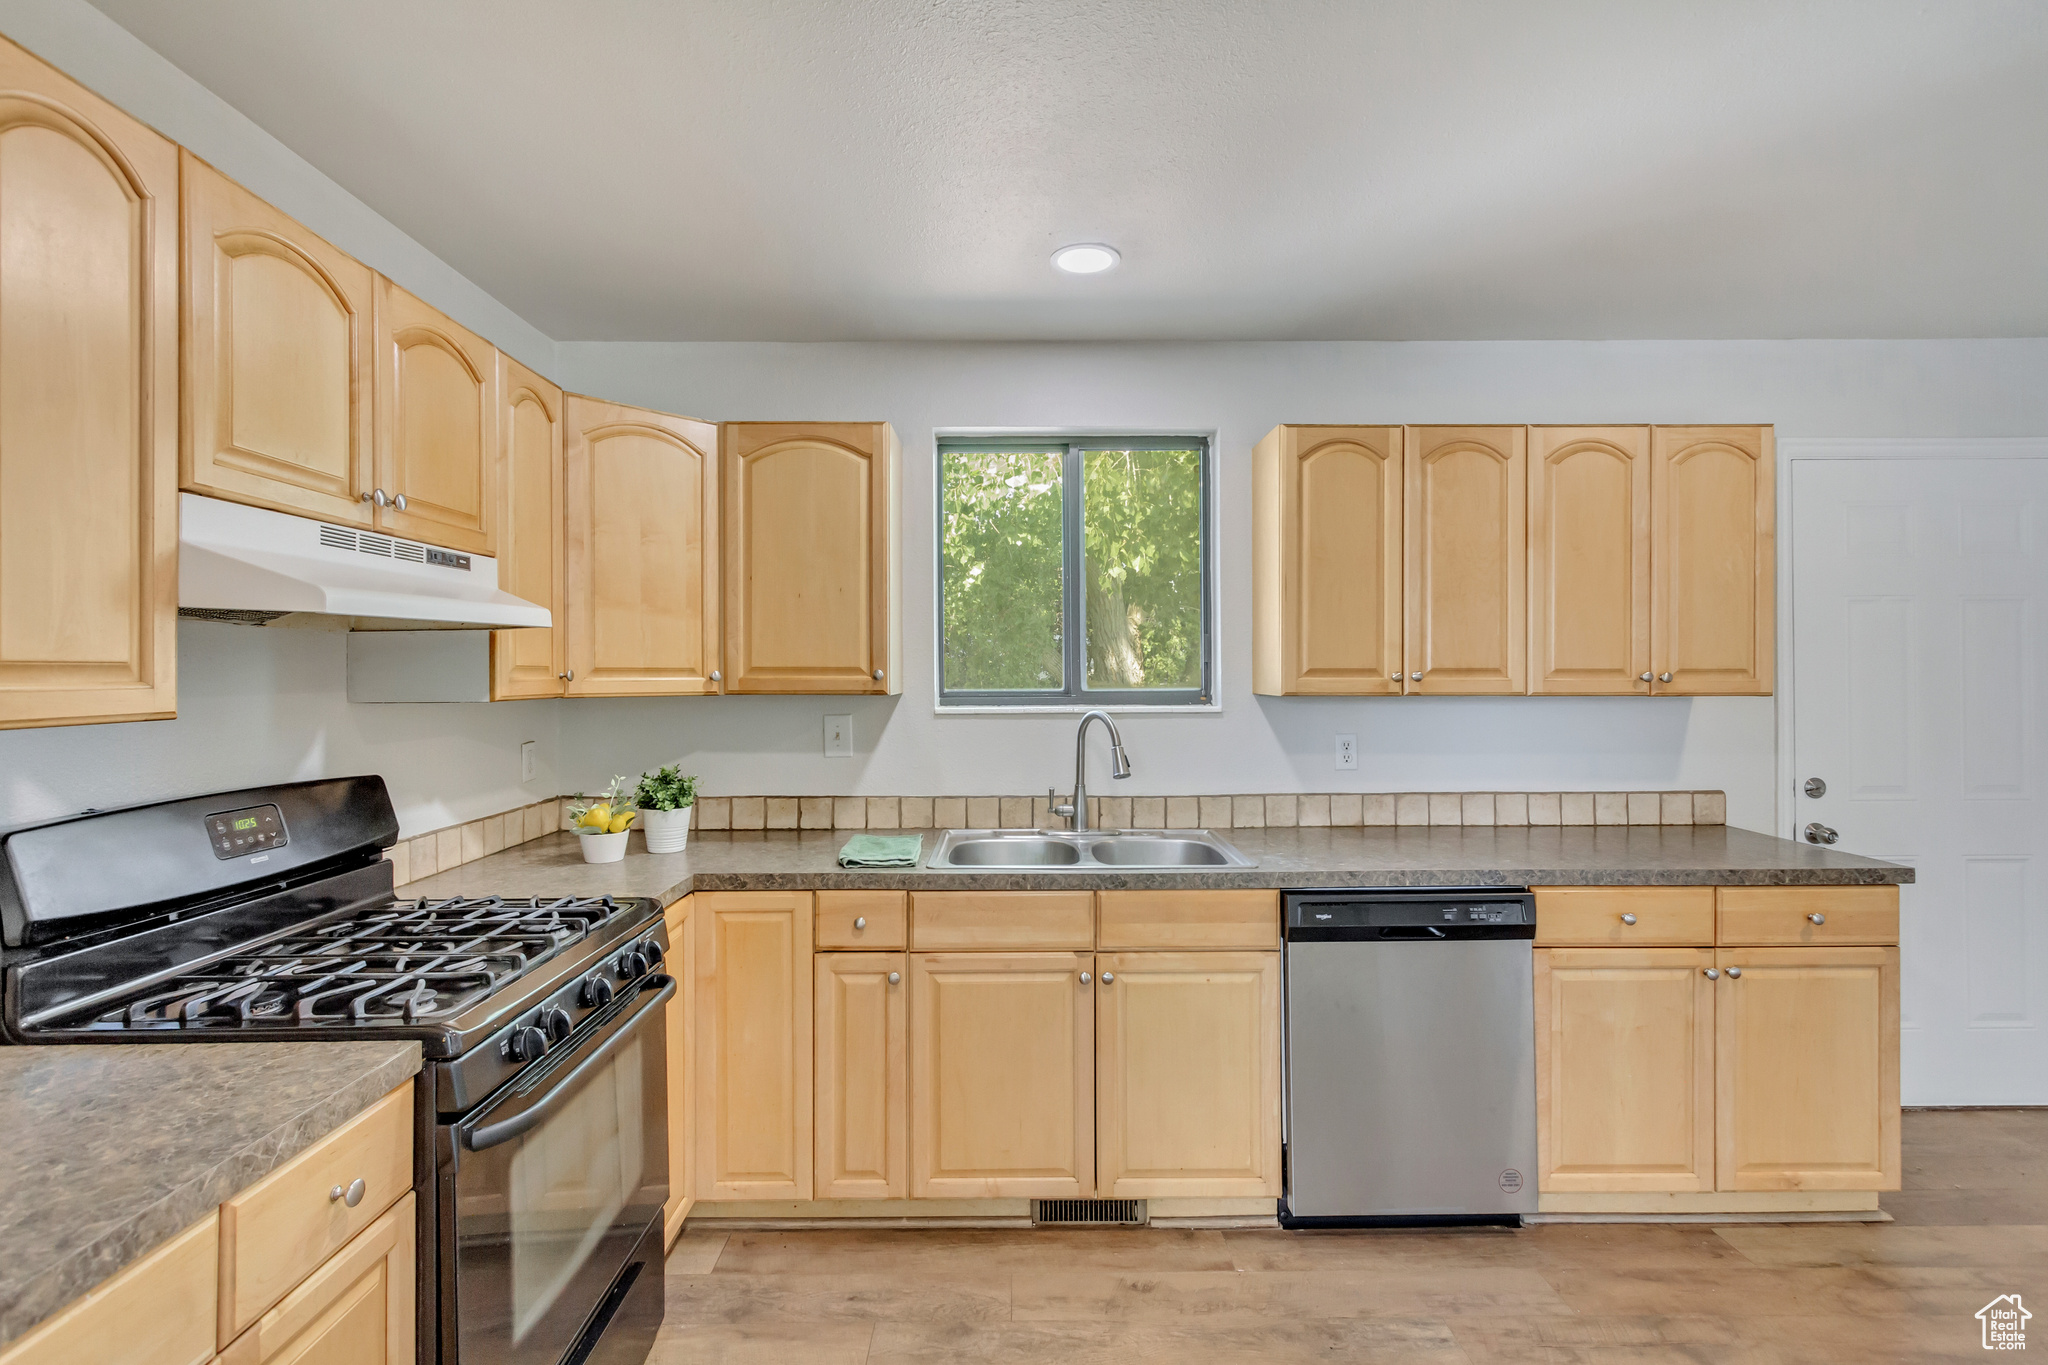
1644	678
1663	677
398	501
376	495
1817	918
1628	919
1108	977
1414	677
1084	978
1734	972
351	1196
1395	676
860	921
878	675
895	978
1713	973
716	676
570	676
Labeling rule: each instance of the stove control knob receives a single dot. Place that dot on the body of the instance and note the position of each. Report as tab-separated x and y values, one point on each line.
596	993
652	952
557	1023
528	1044
631	965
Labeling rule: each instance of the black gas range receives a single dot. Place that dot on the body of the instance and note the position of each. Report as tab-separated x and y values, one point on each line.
269	915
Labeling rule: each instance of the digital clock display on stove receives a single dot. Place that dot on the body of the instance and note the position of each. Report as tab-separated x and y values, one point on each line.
238	833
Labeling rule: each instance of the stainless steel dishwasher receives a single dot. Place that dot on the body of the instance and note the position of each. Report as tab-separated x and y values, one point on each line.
1410	1057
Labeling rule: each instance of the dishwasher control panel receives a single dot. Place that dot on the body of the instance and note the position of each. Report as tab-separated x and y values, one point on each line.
1394	915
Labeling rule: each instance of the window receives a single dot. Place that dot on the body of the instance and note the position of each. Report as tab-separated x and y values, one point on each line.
1074	572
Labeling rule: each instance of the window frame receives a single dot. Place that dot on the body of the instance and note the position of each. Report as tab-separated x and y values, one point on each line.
1075	696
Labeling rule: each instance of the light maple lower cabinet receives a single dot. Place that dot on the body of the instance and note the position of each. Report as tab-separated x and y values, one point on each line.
358	1307
1002	1093
1187	1074
863	1071
682	1138
88	405
642	529
752	1086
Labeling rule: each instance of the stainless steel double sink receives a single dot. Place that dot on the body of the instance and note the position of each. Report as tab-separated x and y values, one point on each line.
1084	850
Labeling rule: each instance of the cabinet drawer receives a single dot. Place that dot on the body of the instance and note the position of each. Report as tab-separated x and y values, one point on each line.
1592	916
1190	919
955	920
358	1306
158	1311
1769	915
279	1230
885	914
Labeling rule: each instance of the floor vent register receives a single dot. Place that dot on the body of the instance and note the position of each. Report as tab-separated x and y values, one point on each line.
1115	1213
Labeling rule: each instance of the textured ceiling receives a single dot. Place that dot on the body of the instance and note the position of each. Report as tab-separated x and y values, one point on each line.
642	170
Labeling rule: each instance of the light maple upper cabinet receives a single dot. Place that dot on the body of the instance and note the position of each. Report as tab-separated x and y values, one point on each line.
863	1064
811	557
1187	1074
1712	561
642	552
1589	560
530	663
1326	561
1467	559
88	405
1002	1093
753	1044
436	417
278	331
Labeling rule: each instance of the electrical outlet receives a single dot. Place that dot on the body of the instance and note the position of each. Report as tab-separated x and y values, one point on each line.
1347	751
839	736
529	755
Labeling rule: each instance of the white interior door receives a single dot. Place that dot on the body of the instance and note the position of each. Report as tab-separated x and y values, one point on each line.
1920	698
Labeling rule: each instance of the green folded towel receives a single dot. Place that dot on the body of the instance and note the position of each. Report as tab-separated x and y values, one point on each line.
881	850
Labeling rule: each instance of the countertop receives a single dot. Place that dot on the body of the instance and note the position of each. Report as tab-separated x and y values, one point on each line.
1411	855
111	1151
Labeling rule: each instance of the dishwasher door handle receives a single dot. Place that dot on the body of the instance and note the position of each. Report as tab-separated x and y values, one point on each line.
1421	931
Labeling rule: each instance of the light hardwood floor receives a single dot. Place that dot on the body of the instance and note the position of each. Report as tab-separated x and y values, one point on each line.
1971	1224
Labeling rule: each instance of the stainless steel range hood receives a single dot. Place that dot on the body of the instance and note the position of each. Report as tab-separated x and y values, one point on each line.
250	566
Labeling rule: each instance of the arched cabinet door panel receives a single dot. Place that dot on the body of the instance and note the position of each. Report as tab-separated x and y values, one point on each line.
811	554
641	541
437	418
278	331
1713	617
1327	570
88	405
1467	559
530	663
1589	560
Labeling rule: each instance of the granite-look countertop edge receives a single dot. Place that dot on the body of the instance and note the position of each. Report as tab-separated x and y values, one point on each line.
124	1237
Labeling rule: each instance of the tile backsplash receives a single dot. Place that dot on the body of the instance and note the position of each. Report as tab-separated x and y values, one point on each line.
442	849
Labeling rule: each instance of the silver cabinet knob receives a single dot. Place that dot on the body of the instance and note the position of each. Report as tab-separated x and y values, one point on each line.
1628	919
716	676
569	676
1414	677
1817	833
1713	973
1817	918
376	495
351	1196
398	501
1084	978
895	978
1734	972
1395	676
1108	977
860	921
1663	677
878	675
1644	678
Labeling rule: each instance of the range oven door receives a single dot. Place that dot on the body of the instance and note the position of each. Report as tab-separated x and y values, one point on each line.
556	1181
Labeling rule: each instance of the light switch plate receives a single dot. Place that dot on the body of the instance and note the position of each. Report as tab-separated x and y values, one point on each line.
528	757
839	736
1347	751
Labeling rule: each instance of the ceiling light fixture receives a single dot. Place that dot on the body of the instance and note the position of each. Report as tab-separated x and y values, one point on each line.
1086	258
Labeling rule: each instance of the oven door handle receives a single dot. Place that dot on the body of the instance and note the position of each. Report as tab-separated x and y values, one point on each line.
504	1130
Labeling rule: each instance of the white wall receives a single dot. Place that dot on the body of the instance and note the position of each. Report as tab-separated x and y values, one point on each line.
1954	388
264	705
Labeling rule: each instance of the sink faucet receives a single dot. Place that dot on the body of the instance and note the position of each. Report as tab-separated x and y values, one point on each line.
1119	766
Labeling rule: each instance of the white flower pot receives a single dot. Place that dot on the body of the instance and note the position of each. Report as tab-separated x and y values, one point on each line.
604	848
668	831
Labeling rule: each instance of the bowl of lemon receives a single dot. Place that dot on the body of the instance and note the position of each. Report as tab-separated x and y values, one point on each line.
603	825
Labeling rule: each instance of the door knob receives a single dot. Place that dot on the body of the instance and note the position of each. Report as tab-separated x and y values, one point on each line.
1817	833
1816	788
895	978
1713	973
1628	919
1663	677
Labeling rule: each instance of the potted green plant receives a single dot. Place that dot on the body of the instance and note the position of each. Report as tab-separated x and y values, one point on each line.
665	798
602	826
